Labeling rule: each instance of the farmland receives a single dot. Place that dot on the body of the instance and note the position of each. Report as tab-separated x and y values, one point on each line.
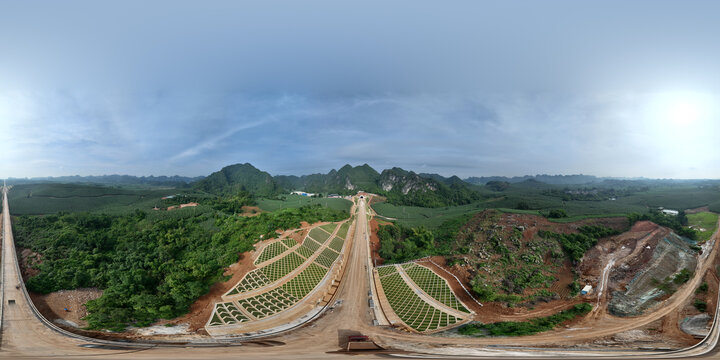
535	198
415	312
705	223
273	288
295	201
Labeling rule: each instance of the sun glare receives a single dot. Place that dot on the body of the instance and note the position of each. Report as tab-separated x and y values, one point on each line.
683	113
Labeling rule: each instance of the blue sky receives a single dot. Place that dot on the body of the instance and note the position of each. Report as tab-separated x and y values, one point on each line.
464	87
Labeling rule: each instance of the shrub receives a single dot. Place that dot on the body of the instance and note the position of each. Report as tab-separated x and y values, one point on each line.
700	305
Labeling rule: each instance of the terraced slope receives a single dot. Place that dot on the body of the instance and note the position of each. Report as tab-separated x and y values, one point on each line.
435	286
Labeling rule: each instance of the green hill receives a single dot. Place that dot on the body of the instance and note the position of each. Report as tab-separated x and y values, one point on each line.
239	177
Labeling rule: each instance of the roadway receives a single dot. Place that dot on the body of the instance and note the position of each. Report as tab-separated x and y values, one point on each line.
26	336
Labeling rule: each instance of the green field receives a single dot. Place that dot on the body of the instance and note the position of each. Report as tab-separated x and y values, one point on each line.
295	201
679	197
40	199
705	220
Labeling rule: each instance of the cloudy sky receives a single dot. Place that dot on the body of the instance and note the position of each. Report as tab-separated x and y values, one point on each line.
629	88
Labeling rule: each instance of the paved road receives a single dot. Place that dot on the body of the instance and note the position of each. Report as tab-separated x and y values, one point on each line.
25	336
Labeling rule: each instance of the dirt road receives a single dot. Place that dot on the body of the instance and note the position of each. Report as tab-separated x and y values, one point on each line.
25	336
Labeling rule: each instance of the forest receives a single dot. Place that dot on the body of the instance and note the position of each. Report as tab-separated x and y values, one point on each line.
148	267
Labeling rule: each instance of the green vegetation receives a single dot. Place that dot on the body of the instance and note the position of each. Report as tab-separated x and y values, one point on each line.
703	288
668	285
700	305
534	326
557	214
575	245
149	268
412	309
40	199
704	220
296	201
534	197
677	223
400	244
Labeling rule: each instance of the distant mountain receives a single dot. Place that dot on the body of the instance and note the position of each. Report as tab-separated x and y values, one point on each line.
175	181
408	188
239	177
347	180
547	179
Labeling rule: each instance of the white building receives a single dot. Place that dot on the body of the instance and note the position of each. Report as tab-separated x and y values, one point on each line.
670	212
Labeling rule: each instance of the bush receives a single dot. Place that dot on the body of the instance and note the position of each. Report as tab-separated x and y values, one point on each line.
530	327
703	288
682	277
700	305
557	214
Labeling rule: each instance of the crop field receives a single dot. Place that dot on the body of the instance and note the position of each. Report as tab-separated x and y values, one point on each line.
279	268
386	270
306	281
269	303
342	232
329	227
271	251
435	286
319	235
310	244
336	244
677	197
296	201
40	199
706	221
326	258
289	242
305	252
251	281
412	309
227	314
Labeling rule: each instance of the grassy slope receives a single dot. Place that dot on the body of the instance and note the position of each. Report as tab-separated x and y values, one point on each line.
705	220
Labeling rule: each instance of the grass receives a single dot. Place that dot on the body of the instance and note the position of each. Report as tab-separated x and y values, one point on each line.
296	201
705	220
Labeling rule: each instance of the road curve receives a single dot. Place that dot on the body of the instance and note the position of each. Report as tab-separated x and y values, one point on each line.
26	335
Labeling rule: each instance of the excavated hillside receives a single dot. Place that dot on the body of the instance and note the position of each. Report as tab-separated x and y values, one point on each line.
646	264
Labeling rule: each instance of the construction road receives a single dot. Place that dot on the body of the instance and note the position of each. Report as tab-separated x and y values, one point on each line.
25	336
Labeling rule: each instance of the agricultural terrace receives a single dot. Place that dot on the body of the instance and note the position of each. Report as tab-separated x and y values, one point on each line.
410	307
227	314
268	303
434	285
319	235
329	227
271	289
271	251
342	232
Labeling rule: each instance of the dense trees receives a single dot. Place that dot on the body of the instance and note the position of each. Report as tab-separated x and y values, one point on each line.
399	243
148	268
575	245
677	223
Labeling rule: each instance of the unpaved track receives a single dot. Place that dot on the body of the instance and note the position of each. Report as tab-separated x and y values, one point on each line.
24	336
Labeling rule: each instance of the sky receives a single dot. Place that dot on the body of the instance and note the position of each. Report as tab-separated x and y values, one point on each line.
467	88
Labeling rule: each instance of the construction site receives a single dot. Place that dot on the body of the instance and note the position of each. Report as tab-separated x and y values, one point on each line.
321	282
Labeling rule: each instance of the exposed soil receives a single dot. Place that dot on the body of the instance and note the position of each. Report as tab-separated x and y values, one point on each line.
698	210
201	309
28	262
250	211
53	305
375	243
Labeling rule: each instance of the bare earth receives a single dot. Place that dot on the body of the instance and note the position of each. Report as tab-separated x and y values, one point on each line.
24	336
